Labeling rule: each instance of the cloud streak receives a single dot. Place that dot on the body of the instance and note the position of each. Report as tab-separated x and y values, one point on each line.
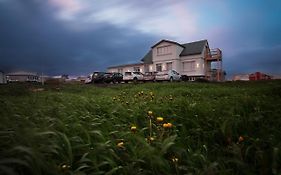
169	18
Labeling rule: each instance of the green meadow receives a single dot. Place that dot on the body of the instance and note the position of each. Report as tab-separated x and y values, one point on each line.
149	128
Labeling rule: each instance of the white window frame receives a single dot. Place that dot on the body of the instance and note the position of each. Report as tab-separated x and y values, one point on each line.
164	50
191	68
167	67
161	67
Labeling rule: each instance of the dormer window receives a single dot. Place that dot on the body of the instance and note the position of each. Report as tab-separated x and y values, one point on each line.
163	50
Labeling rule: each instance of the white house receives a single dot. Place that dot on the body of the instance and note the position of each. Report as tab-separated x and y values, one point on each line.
191	59
3	79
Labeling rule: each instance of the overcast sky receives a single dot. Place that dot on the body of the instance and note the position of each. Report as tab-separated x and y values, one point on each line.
77	37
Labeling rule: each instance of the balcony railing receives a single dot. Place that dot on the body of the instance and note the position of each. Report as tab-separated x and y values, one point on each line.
214	55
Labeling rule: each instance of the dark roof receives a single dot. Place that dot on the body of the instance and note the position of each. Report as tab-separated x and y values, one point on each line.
125	65
22	73
169	41
147	59
192	48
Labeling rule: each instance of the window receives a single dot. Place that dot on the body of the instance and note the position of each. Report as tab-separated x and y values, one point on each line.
159	67
188	66
120	70
146	68
137	69
164	50
169	66
128	73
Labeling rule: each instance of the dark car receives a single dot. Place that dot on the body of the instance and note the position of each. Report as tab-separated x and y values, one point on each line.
108	77
98	77
117	77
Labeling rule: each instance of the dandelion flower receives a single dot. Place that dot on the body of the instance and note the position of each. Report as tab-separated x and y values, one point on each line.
167	125
175	159
159	119
120	144
133	128
150	113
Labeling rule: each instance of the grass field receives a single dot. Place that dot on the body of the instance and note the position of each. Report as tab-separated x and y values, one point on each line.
154	128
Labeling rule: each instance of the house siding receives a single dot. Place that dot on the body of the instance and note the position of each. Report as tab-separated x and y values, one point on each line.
123	69
199	69
172	57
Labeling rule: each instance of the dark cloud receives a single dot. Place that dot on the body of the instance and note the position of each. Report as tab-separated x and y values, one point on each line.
266	60
35	41
33	37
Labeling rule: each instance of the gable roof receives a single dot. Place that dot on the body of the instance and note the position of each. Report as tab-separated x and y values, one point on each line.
125	65
168	41
192	48
147	59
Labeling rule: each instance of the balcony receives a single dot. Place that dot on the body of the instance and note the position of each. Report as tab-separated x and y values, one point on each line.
214	55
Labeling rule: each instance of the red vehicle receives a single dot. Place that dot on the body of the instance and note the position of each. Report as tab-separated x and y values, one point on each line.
259	76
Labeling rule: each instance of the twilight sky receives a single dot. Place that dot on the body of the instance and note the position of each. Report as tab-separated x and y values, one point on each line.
78	37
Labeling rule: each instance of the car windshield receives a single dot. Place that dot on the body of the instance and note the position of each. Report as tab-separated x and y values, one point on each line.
128	73
138	73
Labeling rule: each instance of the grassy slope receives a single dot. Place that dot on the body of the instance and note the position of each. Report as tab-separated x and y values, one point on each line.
76	129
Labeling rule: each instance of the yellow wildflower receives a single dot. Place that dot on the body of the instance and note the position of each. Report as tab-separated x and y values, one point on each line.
159	119
120	144
167	125
149	113
133	128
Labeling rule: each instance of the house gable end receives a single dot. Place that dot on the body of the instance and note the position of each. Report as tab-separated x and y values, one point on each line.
168	41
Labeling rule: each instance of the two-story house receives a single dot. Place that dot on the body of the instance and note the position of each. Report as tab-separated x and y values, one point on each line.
191	59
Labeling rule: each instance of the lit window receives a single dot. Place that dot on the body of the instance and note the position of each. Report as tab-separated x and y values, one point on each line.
159	67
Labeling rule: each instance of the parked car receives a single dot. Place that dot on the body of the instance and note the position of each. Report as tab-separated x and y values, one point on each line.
107	77
112	77
149	76
98	77
132	76
89	79
117	77
170	75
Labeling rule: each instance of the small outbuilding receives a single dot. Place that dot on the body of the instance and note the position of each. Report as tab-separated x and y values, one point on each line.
23	77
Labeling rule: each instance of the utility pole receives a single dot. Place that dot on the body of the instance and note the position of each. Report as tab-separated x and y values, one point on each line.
42	79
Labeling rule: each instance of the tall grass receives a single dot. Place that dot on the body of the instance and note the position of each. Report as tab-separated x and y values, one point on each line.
227	128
